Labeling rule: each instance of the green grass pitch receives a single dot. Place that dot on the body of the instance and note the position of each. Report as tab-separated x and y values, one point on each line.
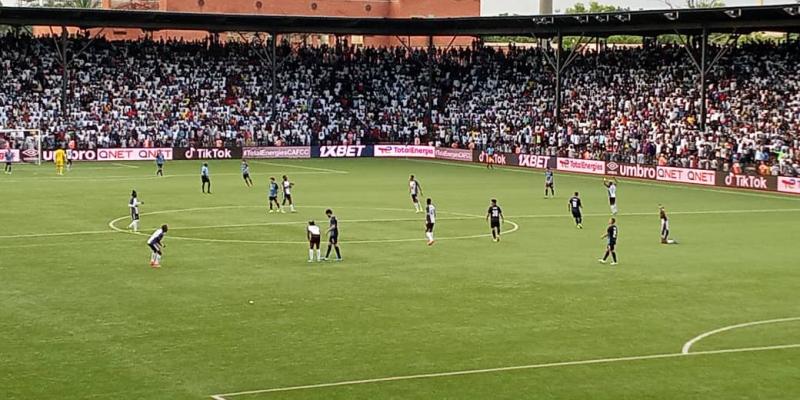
83	316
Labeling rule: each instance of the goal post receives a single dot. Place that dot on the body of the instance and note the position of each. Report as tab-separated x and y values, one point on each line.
28	143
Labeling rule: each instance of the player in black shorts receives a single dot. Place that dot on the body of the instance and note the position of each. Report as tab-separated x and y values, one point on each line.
611	235
205	178
549	183
575	206
333	236
246	173
430	221
495	217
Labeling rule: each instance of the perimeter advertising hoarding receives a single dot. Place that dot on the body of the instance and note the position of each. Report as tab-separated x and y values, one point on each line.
747	181
579	165
446	153
276	152
119	154
405	151
14	152
499	158
195	153
534	161
342	151
788	185
687	175
631	170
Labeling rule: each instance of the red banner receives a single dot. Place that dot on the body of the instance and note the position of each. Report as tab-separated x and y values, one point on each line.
584	166
686	175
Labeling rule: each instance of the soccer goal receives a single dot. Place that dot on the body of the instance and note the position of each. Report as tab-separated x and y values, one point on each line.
29	143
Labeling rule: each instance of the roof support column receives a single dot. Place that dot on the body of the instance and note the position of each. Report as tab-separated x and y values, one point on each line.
431	53
64	71
703	70
273	99
559	46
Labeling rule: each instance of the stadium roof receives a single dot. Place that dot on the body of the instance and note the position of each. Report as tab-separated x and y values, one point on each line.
781	18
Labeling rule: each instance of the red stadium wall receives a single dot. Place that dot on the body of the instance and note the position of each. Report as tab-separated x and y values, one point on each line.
330	8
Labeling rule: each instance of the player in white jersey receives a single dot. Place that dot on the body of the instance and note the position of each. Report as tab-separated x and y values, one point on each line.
69	159
287	193
611	186
314	234
416	190
430	220
133	204
154	242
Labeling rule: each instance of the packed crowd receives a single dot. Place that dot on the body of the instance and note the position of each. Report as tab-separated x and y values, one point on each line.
636	105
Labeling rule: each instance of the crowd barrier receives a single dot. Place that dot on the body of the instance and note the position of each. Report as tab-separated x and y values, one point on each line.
690	176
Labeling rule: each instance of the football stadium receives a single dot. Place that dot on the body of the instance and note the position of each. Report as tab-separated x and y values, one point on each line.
354	202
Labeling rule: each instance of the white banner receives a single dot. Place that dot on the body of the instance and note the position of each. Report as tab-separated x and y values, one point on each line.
789	185
128	154
686	175
405	151
14	152
584	166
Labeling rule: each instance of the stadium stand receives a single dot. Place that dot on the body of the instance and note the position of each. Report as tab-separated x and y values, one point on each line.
636	105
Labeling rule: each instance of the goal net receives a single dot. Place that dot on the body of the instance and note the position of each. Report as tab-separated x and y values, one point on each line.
24	144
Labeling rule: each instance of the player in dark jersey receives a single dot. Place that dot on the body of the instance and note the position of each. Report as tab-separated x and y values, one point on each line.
611	234
273	195
9	157
246	173
333	236
548	183
490	157
430	220
664	226
160	163
575	207
495	217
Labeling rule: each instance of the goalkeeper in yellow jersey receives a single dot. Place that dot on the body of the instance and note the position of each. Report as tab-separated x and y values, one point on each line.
60	158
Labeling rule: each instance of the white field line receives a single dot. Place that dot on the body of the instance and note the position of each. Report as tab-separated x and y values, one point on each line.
333	171
688	345
305	222
34	235
651	214
226	396
126	165
112	225
627	181
68	178
564	215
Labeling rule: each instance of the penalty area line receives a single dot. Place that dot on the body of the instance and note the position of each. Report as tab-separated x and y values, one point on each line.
227	396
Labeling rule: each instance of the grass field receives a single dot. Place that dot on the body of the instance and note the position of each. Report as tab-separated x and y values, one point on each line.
83	316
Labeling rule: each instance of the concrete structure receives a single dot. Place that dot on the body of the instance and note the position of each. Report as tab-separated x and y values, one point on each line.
317	8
